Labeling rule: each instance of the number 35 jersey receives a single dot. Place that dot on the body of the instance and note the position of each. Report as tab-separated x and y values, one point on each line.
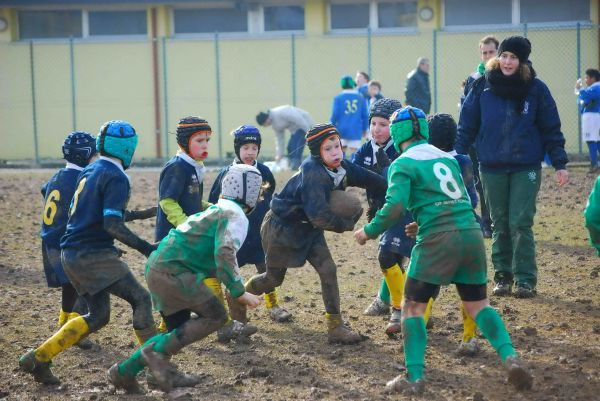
58	192
102	190
427	182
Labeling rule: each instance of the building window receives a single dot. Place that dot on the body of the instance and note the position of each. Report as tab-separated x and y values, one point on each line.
284	18
397	14
477	12
209	20
554	11
117	23
349	16
50	24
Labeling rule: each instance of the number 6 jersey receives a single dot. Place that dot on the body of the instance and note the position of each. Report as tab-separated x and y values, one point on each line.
427	182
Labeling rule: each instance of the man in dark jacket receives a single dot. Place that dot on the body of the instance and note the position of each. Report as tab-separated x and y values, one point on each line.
417	90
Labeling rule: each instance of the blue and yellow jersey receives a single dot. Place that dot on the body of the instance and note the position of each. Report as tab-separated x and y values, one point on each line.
102	189
180	181
57	192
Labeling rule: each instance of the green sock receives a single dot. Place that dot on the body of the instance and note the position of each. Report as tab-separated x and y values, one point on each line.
159	346
384	292
415	342
134	365
491	325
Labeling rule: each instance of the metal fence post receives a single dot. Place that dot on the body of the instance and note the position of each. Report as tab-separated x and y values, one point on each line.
579	141
73	93
369	50
33	105
293	69
218	84
165	97
525	29
435	90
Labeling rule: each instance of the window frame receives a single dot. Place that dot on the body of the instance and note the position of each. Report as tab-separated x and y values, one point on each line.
373	18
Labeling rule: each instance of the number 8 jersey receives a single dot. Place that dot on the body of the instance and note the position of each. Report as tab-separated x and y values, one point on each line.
427	182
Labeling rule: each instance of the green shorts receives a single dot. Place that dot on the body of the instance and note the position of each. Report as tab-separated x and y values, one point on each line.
450	257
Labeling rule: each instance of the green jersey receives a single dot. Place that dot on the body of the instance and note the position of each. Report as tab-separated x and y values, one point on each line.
427	182
206	244
592	216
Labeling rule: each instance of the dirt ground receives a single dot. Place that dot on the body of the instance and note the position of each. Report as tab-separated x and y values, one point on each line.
557	333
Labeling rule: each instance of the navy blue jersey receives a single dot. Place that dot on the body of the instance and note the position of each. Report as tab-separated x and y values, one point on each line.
57	192
466	170
252	250
102	189
180	182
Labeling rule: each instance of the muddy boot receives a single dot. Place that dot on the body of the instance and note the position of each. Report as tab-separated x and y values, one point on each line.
160	367
179	379
468	348
126	382
237	311
394	326
233	330
338	333
377	308
40	370
279	314
85	344
401	385
518	374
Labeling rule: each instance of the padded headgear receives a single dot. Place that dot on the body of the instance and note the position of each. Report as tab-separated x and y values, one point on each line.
384	108
317	135
347	82
117	139
407	123
245	134
79	147
442	131
242	183
188	127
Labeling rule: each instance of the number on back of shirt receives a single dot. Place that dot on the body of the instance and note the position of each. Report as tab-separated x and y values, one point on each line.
51	207
448	184
76	196
351	106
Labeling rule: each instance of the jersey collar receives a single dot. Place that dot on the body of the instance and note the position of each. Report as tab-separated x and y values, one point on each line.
108	159
73	166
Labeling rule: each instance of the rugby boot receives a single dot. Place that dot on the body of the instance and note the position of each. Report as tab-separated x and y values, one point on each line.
377	308
524	290
180	379
518	375
276	312
503	287
468	348
233	330
124	381
401	385
338	333
39	370
394	325
160	367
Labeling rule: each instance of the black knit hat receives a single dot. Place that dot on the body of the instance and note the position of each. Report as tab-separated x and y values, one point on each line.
517	45
442	131
317	134
261	117
384	108
187	127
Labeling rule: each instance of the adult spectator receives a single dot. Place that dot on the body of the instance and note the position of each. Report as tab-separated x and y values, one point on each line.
362	81
512	118
293	119
349	115
417	90
589	98
488	49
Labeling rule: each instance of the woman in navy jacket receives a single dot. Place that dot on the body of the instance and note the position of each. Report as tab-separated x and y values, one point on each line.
512	118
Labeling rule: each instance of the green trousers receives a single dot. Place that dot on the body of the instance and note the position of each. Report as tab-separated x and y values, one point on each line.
511	198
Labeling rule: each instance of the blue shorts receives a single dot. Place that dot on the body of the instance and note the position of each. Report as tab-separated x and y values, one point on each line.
53	268
394	239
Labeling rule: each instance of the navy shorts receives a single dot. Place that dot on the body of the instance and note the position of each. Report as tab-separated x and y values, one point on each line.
53	268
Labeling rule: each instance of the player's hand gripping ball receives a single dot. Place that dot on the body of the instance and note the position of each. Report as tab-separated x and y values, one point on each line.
345	205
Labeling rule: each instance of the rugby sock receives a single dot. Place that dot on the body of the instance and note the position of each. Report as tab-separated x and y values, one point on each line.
162	326
62	318
394	278
271	299
134	364
428	310
469	326
143	335
384	292
491	325
69	334
333	320
215	287
415	342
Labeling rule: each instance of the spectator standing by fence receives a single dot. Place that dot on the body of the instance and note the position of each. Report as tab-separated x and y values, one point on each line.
417	90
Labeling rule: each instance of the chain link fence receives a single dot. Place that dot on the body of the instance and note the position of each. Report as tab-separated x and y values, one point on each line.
52	88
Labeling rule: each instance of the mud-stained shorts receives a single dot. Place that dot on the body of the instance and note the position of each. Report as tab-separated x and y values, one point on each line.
176	290
450	257
91	271
53	268
288	244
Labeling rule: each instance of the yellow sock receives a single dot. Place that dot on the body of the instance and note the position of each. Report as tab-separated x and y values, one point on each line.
333	320
62	318
69	334
428	310
394	278
469	325
215	287
144	335
271	299
162	326
73	315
